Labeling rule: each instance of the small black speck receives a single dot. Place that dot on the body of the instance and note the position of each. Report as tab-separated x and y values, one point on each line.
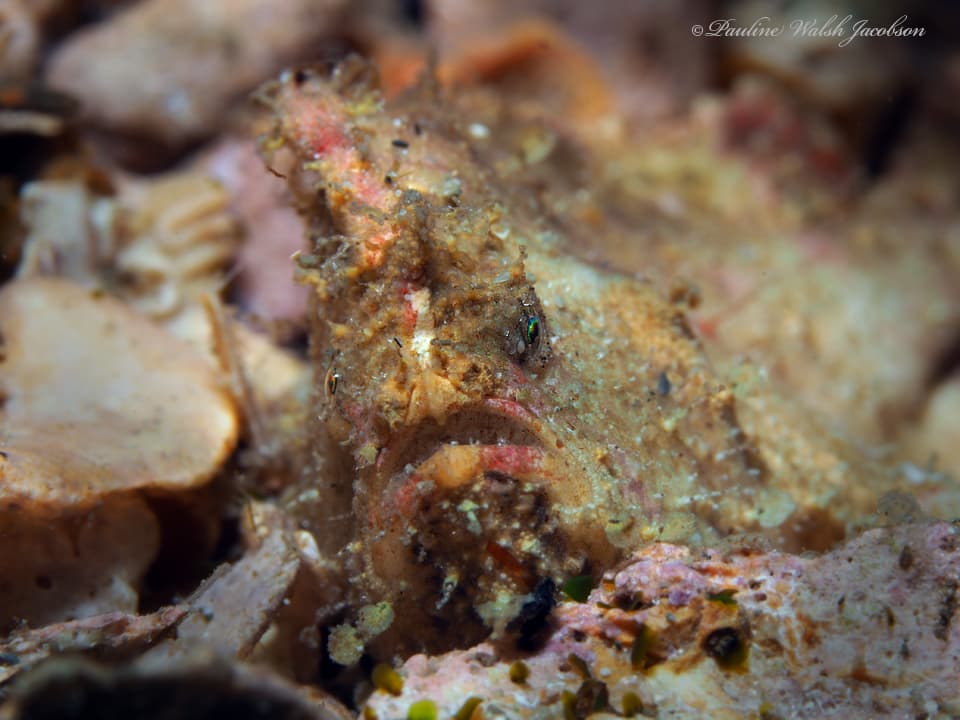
906	558
723	644
43	582
948	607
388	179
400	143
3	455
485	659
841	602
663	384
300	77
417	130
397	341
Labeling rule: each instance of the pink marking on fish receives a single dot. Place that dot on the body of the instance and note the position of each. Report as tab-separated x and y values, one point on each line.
510	408
319	127
511	459
410	312
406	497
375	249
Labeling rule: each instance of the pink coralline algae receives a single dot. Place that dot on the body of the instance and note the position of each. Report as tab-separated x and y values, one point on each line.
868	630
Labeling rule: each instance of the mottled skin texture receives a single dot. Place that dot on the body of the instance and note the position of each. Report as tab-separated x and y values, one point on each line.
492	410
839	288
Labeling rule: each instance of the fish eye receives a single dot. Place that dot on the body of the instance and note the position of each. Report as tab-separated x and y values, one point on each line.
331	382
532	331
526	334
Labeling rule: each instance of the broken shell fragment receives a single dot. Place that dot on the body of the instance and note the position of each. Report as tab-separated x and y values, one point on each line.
113	633
18	41
80	371
96	403
232	609
168	70
160	244
183	237
72	232
79	566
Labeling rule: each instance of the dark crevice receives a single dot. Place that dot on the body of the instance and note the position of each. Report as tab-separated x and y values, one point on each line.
186	554
946	365
413	12
889	128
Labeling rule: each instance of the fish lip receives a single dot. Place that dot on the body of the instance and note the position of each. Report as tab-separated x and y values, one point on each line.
495	423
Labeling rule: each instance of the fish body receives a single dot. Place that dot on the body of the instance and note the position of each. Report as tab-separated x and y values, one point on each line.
493	411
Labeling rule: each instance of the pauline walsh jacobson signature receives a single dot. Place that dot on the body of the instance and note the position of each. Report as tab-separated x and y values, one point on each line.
845	29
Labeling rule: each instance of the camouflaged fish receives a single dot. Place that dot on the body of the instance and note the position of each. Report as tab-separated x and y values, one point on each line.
492	411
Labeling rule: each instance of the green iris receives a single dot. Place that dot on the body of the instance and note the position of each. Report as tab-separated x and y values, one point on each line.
533	331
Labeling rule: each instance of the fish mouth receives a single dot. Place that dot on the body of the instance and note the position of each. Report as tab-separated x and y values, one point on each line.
467	513
497	436
474	493
471	496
